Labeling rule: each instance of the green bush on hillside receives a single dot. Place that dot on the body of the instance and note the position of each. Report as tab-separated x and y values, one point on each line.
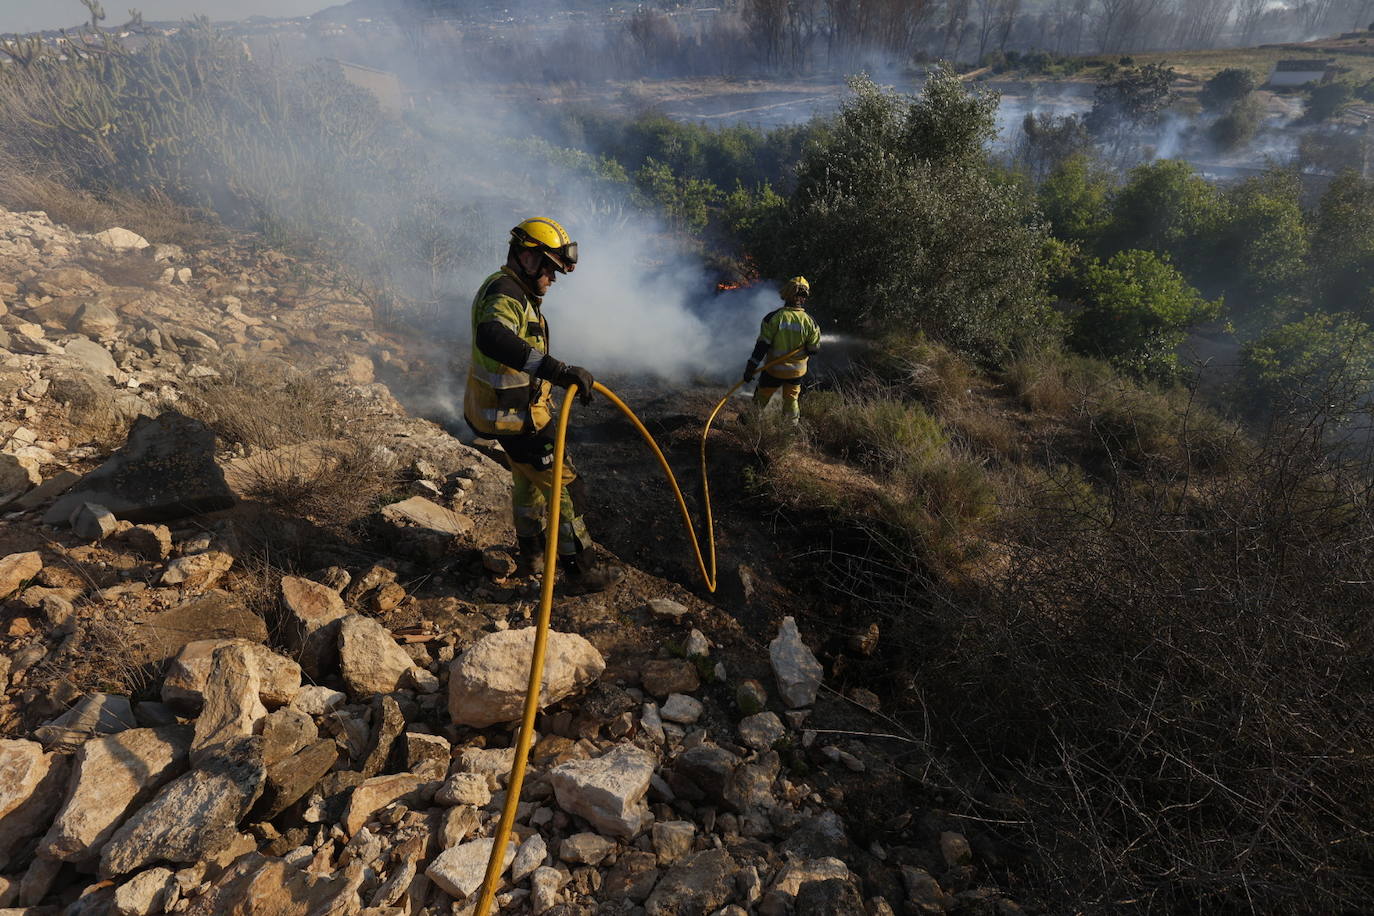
1136	310
900	221
1323	358
1227	88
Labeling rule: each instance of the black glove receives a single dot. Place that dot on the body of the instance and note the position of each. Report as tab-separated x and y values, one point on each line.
750	370
564	376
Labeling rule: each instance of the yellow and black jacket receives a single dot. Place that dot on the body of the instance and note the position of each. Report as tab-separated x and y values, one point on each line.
782	331
510	338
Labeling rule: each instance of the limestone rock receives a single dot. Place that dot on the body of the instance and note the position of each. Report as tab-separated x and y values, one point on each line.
421	748
673	840
256	885
231	708
95	321
697	884
165	470
831	897
112	777
214	615
316	701
800	871
422	513
16	569
17	475
310	627
585	849
608	790
797	671
145	893
31	784
289	780
151	542
459	871
121	239
667	608
464	789
286	732
91	522
632	877
681	708
376	793
93	714
487	682
198	571
91	356
369	658
195	816
183	686
544	887
529	857
387	725
664	676
761	730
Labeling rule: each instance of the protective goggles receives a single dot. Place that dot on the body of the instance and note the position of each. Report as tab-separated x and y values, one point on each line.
564	258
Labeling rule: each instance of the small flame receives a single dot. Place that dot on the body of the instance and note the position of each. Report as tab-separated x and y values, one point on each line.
748	276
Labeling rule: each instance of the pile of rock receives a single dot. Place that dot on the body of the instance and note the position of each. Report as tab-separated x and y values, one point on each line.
377	788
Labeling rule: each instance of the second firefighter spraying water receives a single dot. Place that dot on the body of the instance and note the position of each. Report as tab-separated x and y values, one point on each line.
509	396
784	330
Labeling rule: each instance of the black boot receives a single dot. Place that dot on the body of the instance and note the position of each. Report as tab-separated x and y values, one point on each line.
529	555
586	574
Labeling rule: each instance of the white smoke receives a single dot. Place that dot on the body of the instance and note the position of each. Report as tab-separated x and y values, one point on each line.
619	312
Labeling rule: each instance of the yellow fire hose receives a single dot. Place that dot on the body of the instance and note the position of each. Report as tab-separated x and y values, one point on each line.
496	863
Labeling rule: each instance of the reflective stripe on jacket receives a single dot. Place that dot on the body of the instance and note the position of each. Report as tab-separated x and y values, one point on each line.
783	331
501	399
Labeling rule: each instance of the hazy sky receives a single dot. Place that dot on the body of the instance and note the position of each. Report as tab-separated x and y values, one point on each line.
32	15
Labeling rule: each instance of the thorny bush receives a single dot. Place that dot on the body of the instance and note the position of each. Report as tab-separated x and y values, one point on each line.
1172	677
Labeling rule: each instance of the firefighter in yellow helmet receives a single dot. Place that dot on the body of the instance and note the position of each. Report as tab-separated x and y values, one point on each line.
509	396
784	330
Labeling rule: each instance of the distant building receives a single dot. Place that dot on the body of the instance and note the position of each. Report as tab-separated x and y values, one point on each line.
1301	72
383	84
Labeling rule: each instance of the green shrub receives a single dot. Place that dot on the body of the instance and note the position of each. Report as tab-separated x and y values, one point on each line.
1235	128
900	220
1163	431
1136	310
1327	100
881	434
1049	380
1076	200
1342	258
1227	88
1323	359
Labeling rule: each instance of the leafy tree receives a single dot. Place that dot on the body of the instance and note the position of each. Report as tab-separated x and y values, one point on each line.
1132	98
1136	310
1327	100
1260	248
1165	207
1048	140
1343	246
1076	200
1322	356
899	220
684	202
1226	88
1235	128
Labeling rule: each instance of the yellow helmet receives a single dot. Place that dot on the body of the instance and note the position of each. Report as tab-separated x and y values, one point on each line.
796	288
550	238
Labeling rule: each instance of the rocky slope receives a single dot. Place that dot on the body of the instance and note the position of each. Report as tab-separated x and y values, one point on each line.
212	707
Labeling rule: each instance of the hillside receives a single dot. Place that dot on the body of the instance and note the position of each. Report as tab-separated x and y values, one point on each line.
251	684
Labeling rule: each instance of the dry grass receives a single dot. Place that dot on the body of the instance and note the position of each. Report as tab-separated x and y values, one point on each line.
153	215
304	451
